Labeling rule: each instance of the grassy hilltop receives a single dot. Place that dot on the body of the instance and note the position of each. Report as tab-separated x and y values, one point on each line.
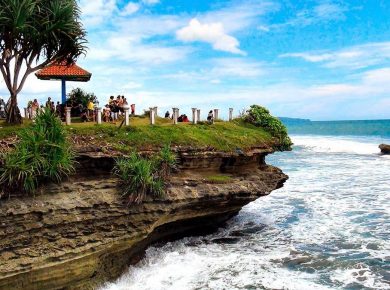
225	136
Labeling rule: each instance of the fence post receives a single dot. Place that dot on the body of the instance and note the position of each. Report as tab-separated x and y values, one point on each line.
230	114
26	113
152	115
68	120
175	115
126	109
216	117
99	115
194	119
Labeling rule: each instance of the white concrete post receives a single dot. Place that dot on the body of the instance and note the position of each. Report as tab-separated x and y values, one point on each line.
194	120
127	121
99	115
152	116
175	115
67	114
198	115
230	114
216	114
155	112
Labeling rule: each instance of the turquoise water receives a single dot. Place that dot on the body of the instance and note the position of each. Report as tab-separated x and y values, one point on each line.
379	128
327	228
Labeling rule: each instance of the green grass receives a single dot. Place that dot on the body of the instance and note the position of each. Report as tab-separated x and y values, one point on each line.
7	130
218	179
225	136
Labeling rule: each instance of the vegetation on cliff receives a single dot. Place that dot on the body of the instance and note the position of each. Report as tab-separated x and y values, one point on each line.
42	154
142	176
261	117
222	136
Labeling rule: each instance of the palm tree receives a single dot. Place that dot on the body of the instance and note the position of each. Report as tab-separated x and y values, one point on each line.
34	33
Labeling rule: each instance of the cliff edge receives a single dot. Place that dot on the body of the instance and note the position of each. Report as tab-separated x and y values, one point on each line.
81	233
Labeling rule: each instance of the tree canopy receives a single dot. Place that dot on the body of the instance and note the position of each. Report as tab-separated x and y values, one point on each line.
34	33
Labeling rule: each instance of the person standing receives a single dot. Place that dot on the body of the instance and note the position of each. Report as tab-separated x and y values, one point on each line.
48	103
210	117
59	110
34	108
91	108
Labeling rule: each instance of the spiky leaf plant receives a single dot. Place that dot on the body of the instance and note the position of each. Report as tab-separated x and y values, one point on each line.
43	154
138	177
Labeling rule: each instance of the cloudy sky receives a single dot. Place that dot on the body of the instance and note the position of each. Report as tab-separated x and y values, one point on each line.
322	60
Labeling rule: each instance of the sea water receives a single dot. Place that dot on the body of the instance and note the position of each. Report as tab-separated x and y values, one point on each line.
327	228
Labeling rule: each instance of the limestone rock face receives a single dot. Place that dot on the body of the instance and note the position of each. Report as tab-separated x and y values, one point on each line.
81	233
385	149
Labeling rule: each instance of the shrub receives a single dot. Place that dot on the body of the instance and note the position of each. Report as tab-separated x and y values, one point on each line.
141	176
166	161
78	96
43	154
261	117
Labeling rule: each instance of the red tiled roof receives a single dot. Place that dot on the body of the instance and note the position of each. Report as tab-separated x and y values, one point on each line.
59	71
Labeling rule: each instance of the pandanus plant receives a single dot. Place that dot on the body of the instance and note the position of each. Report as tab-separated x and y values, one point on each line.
34	33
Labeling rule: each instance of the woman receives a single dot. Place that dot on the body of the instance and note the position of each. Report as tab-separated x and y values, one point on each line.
210	117
34	108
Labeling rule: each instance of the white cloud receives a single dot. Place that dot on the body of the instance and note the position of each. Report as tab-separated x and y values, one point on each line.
146	26
355	57
236	67
239	15
130	8
220	69
323	12
329	11
97	11
212	33
132	49
150	2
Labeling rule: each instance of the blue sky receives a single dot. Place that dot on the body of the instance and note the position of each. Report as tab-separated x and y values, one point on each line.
322	60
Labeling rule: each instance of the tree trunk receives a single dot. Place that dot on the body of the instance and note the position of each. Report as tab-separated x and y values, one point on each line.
13	112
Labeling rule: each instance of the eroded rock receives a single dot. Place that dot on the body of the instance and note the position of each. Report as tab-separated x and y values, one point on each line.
385	149
81	233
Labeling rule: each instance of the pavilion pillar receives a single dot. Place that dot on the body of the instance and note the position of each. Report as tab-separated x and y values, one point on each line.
127	121
216	111
155	112
99	115
152	117
63	85
194	119
67	115
198	115
230	114
175	115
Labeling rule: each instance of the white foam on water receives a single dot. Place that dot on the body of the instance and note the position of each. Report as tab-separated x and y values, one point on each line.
327	228
327	144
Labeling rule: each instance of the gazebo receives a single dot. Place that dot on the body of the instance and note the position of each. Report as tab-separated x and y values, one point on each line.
63	72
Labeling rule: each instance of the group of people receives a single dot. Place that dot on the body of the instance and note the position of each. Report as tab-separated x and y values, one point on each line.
33	108
116	108
183	118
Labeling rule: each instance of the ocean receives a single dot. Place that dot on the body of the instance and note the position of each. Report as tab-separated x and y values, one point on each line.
327	228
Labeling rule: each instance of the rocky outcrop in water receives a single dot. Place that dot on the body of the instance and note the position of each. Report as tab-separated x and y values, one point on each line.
385	149
81	233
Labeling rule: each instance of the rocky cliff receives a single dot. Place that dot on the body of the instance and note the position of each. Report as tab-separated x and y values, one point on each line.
81	233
